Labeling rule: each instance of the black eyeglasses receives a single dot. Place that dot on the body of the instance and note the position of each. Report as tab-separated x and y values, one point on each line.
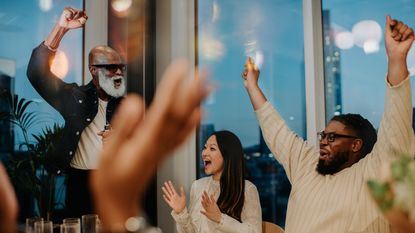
332	136
112	67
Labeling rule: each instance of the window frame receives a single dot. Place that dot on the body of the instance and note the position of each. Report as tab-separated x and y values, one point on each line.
176	30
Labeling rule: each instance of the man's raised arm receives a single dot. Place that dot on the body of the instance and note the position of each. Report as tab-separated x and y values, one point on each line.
70	18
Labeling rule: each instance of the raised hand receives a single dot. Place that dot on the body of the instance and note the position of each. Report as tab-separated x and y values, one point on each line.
176	201
250	75
72	18
211	209
398	40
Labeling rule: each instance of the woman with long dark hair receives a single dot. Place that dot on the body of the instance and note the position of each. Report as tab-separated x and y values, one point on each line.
223	201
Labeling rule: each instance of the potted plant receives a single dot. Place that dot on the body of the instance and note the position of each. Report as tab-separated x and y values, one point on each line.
26	165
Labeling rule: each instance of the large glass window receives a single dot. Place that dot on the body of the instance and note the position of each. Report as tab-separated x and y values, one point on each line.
272	34
23	26
355	55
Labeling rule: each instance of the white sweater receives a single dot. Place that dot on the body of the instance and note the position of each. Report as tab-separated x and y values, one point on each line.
338	203
193	221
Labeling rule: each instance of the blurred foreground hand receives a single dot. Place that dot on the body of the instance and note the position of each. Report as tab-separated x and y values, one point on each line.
138	144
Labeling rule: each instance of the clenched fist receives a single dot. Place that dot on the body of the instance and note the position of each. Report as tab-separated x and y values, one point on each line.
72	18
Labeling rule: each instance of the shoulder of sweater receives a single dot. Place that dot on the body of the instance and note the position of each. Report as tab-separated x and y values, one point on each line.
202	181
249	185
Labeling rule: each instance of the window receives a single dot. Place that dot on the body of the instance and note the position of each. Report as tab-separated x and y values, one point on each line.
355	57
272	34
24	25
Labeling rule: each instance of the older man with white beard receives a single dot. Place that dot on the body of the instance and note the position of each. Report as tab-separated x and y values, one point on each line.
87	110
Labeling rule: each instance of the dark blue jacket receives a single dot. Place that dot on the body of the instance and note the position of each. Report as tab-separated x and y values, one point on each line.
78	105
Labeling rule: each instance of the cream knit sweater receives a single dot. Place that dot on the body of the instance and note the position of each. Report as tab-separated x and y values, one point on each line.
338	203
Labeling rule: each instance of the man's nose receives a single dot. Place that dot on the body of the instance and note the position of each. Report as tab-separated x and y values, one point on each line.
119	71
324	141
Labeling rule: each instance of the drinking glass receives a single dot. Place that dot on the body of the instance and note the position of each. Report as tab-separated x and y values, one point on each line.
43	227
70	228
38	227
89	223
30	224
47	227
73	222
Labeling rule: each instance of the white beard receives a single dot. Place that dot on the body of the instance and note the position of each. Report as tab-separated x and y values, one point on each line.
107	84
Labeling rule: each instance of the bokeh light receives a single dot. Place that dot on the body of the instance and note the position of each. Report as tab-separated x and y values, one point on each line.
121	5
60	65
371	46
344	40
211	49
367	34
215	11
259	59
45	5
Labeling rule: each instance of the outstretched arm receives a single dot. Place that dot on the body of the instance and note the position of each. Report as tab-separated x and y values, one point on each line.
290	150
139	144
50	87
70	18
395	135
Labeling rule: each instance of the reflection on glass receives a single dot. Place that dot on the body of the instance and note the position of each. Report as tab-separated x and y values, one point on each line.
228	32
25	24
363	60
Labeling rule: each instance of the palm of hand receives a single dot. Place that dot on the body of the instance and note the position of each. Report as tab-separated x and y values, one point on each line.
176	201
211	209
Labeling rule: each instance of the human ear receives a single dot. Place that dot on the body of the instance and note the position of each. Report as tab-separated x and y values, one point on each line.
93	71
357	145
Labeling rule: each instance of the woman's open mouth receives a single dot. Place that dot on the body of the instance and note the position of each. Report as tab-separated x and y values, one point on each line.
207	163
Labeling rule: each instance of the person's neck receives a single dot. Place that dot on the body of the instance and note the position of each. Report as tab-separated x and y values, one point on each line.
103	96
216	177
354	158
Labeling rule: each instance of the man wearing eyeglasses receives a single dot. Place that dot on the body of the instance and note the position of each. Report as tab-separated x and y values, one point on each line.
87	110
329	183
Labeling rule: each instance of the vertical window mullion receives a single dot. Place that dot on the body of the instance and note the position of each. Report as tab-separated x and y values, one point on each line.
314	68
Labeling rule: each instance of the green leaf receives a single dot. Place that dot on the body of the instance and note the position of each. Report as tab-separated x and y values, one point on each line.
378	189
399	168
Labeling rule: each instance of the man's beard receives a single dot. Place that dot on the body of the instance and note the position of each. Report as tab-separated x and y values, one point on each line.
334	165
107	84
